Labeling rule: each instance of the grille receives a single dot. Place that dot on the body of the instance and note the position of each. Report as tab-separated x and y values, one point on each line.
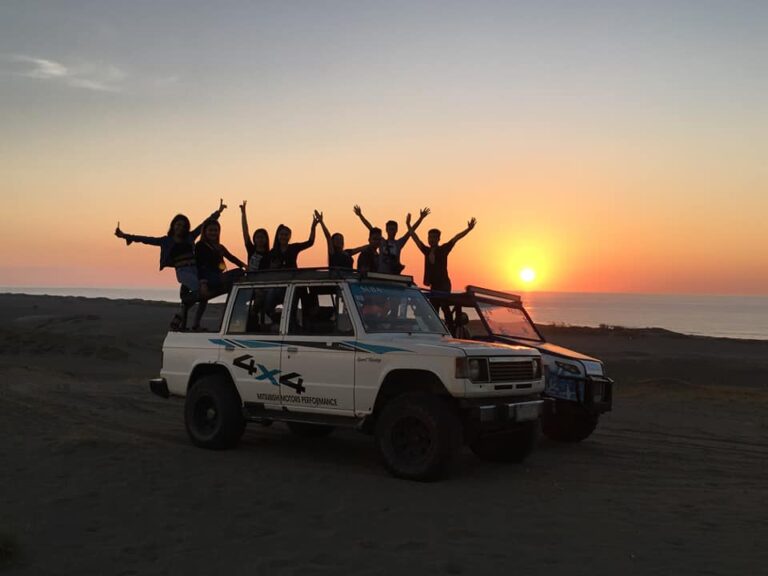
512	371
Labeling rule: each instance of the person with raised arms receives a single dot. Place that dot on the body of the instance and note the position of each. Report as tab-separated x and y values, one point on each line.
177	251
338	257
215	279
391	246
284	254
436	260
257	247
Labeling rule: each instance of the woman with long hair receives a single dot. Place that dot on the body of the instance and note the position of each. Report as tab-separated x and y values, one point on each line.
284	253
177	251
257	247
212	272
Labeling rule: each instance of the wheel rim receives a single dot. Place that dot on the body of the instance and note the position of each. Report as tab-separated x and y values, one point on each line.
206	416
411	440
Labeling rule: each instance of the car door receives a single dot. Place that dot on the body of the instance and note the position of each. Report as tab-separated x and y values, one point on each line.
251	343
318	355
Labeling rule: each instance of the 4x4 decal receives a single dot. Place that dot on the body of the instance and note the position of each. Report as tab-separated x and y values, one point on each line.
260	372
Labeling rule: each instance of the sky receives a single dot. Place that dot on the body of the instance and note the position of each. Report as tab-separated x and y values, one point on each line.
608	146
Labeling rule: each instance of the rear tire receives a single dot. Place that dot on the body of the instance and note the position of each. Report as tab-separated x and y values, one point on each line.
418	437
307	430
507	446
213	413
571	424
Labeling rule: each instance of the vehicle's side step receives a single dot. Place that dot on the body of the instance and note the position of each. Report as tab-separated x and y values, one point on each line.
256	412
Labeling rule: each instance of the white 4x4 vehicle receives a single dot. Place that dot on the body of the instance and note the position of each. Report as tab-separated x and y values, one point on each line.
325	348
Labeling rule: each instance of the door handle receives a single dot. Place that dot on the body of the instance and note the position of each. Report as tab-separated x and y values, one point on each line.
292	350
229	347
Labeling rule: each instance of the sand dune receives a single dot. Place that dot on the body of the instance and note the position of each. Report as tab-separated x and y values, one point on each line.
97	476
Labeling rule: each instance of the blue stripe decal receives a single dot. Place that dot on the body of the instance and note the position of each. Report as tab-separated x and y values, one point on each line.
259	344
375	348
244	343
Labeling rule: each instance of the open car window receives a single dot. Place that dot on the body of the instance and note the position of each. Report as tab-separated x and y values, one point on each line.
319	311
257	310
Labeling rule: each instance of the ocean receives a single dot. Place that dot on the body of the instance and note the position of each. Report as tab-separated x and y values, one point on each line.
706	315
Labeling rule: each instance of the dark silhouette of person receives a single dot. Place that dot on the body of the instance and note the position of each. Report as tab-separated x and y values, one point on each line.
177	251
391	246
212	272
284	254
368	260
338	257
436	261
257	247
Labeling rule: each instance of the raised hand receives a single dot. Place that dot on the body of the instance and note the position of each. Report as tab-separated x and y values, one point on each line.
242	206
408	220
318	217
119	233
357	210
471	223
424	212
222	206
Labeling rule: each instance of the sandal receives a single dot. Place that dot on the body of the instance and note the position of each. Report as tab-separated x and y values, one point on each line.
177	322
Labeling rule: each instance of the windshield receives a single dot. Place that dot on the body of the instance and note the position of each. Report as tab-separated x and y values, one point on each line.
393	308
505	321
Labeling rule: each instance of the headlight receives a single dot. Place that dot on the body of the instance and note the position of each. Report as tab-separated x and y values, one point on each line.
536	367
475	369
478	369
593	368
570	368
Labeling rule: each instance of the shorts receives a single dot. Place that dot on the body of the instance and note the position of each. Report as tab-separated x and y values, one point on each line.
187	276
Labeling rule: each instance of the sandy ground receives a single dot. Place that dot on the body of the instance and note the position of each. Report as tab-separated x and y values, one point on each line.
97	475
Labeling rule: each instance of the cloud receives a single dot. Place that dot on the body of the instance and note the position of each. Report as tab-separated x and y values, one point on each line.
83	75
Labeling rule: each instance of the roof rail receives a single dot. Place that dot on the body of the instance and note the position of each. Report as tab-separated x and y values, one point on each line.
320	273
493	293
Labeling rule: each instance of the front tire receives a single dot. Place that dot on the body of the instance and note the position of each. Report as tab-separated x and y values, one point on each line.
213	413
569	424
507	446
418	437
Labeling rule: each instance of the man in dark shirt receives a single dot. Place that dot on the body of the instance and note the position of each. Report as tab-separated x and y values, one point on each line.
436	261
368	261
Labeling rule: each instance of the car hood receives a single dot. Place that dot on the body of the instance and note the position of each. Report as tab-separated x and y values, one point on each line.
452	347
548	348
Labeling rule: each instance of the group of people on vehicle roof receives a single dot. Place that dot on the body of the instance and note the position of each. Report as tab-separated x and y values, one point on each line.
202	272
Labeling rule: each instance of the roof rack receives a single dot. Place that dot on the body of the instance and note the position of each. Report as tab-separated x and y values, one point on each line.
288	274
476	290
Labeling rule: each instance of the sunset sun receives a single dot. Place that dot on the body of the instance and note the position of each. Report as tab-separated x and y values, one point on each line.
527	275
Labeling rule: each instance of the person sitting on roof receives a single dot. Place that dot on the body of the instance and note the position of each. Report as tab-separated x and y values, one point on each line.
177	251
211	269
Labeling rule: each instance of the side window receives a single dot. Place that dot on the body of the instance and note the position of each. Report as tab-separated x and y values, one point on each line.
257	311
472	324
319	311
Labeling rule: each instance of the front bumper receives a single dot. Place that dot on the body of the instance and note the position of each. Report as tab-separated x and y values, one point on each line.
492	414
594	393
159	387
